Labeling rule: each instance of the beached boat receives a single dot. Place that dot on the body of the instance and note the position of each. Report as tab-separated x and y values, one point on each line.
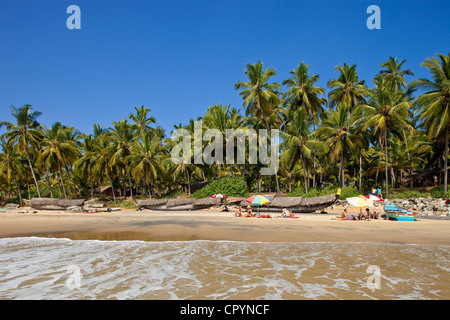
181	204
396	213
277	203
54	203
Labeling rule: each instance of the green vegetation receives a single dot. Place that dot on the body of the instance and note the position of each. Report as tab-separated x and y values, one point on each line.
231	187
356	135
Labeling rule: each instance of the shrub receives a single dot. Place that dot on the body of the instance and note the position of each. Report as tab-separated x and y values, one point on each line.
231	187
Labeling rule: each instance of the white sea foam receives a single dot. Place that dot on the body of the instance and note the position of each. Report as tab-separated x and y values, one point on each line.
37	268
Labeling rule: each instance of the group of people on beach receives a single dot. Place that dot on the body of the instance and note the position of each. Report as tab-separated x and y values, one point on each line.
361	216
285	213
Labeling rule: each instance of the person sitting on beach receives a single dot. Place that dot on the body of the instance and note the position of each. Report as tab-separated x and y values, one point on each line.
238	213
249	212
362	216
344	213
375	215
346	216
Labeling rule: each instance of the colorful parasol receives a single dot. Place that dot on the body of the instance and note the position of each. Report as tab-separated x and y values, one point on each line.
373	197
218	195
360	202
258	200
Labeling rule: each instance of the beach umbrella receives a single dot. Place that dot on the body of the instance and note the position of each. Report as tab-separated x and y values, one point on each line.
258	200
219	195
360	202
374	198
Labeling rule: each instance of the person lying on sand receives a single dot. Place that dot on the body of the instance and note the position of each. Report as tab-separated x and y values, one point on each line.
287	214
345	216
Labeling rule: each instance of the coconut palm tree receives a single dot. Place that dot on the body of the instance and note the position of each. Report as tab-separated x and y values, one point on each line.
144	159
337	130
26	133
260	96
302	92
298	143
347	88
141	121
57	150
85	164
386	110
433	106
103	143
393	75
122	134
10	165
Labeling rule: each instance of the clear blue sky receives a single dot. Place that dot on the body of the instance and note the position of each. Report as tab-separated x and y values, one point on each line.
179	57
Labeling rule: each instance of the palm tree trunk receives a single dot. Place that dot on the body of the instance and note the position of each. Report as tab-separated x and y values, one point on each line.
360	171
386	161
342	168
276	172
62	181
18	188
131	190
49	185
188	181
446	160
92	188
32	172
304	173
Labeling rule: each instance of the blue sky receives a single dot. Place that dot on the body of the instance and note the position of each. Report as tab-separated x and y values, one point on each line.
179	57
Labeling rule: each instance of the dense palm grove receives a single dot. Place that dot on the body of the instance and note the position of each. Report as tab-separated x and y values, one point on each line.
389	136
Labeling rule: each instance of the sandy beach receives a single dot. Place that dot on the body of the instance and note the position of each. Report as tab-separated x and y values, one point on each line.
214	225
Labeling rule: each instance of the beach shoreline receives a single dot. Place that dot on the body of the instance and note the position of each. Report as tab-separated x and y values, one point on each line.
220	226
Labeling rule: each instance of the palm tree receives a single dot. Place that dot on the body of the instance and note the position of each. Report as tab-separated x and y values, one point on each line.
144	159
302	92
123	135
298	143
57	150
103	143
85	164
335	129
393	75
260	97
347	88
141	121
386	110
433	106
10	165
25	133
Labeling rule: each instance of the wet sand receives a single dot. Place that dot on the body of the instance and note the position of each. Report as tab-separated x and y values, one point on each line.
213	225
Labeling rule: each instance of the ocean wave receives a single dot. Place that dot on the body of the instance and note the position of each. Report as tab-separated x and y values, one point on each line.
45	268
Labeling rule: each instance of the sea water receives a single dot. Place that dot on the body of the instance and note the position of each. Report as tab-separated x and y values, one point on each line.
58	268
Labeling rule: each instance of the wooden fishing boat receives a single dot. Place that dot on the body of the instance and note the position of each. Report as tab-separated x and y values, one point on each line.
396	213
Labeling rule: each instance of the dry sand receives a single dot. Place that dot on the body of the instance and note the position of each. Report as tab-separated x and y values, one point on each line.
213	225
